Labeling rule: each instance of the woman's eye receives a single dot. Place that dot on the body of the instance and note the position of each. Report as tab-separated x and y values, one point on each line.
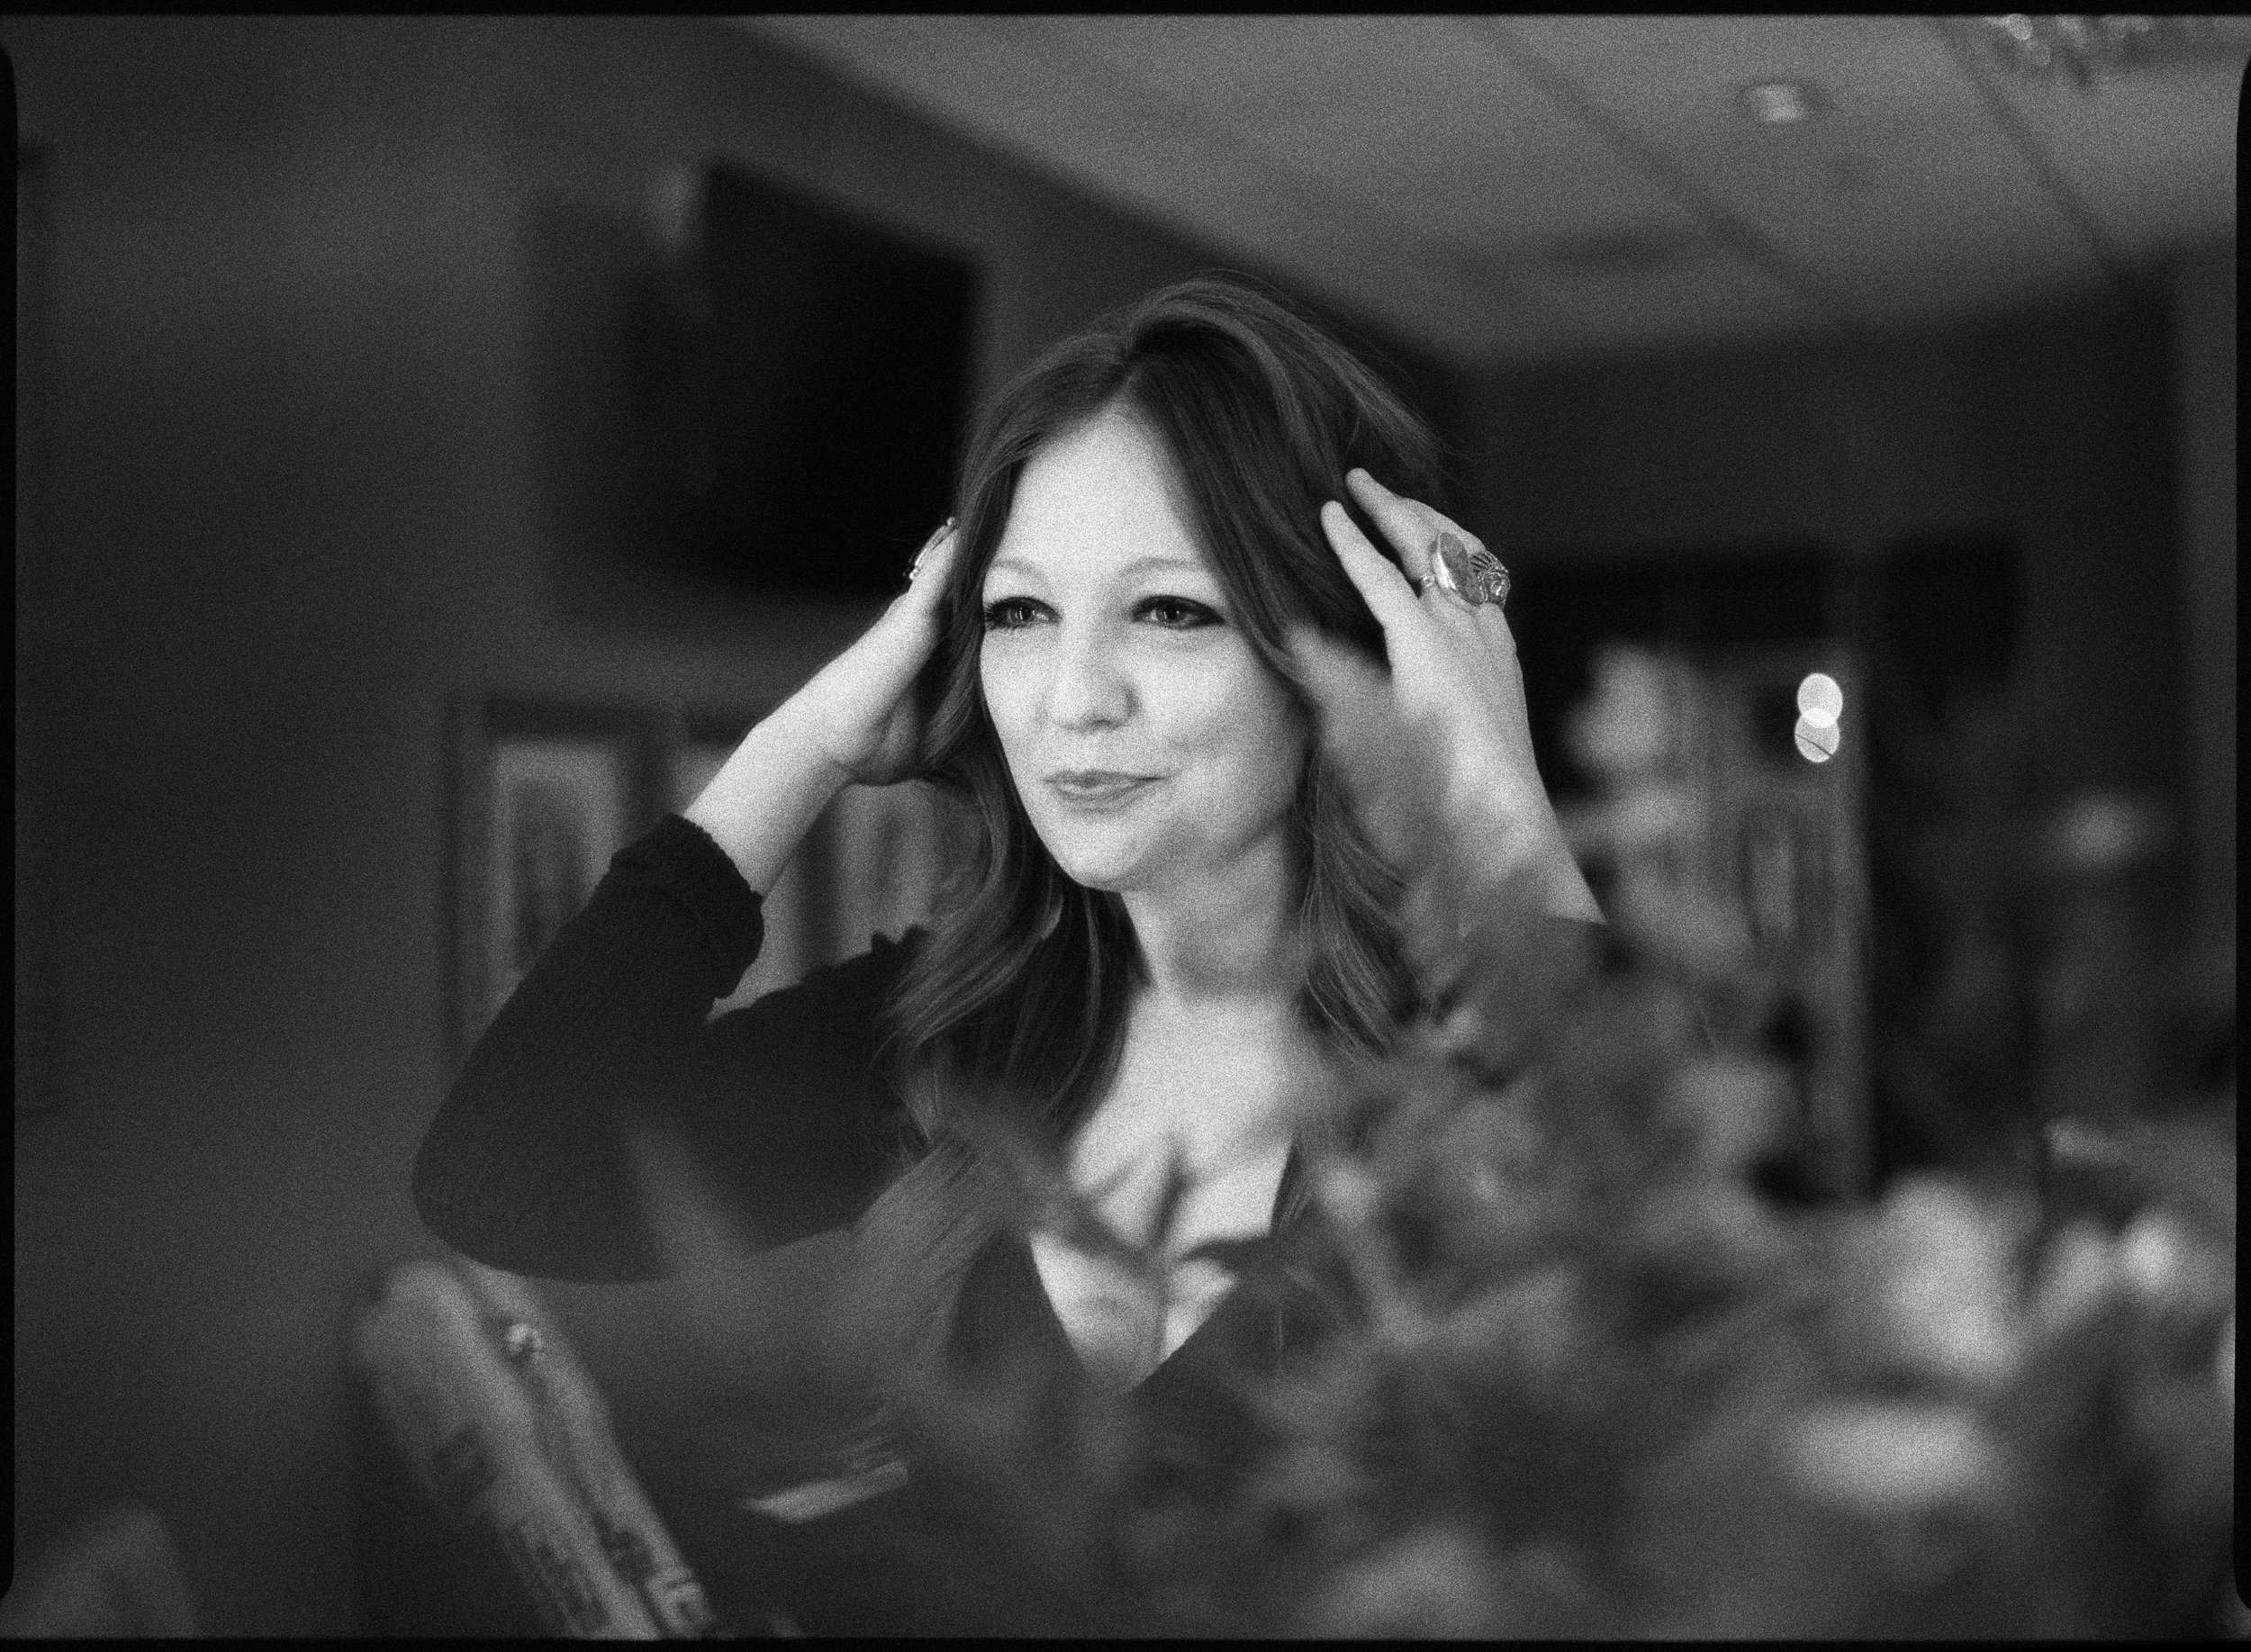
1177	613
1009	614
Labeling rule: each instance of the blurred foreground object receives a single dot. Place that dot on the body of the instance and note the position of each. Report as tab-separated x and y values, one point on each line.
1730	805
116	1576
1583	1376
510	1443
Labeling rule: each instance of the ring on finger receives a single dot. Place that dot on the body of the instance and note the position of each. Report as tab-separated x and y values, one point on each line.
1468	571
1447	559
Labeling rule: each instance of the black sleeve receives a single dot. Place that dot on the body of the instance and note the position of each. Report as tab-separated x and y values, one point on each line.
531	1163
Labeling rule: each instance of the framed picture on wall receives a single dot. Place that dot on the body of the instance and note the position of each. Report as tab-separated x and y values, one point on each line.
544	794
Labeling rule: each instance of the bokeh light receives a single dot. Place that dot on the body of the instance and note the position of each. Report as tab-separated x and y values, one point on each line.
1821	701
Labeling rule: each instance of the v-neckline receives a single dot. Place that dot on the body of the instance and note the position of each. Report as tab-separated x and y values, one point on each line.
1283	1209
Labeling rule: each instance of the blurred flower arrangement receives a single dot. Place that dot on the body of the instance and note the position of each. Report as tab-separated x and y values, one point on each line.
1585	1380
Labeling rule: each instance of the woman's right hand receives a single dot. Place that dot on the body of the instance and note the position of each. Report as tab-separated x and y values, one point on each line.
856	721
858	711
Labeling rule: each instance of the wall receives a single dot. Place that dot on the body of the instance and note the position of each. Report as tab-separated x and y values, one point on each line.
2054	429
290	490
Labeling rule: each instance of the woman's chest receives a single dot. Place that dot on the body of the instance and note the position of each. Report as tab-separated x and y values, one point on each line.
1185	1150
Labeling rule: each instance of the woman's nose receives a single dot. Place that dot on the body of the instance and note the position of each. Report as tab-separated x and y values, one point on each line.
1090	688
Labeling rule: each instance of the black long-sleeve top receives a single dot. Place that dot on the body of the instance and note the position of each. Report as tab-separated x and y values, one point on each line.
780	1104
783	1110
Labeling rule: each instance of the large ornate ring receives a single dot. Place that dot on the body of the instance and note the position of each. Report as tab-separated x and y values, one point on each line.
1471	572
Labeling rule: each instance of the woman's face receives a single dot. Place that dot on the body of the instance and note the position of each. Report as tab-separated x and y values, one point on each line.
1149	744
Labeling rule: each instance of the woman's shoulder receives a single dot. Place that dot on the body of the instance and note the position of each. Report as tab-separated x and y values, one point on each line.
879	965
792	1109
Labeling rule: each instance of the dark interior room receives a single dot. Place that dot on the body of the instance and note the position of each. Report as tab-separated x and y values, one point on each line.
439	440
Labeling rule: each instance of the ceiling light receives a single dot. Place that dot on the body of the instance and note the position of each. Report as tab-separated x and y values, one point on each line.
1779	102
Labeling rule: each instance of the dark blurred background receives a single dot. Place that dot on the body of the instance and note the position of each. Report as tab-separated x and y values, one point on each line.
338	347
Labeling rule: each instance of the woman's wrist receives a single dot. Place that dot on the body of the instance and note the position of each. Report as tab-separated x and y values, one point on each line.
766	796
1569	894
1529	847
793	730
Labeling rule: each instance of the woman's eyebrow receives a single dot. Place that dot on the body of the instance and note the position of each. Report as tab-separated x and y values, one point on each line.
1017	564
1140	564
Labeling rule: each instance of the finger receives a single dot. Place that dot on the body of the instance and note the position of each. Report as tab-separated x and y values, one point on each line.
1388	595
1408	523
926	576
941	538
1418	521
1495	624
1417	529
1391	513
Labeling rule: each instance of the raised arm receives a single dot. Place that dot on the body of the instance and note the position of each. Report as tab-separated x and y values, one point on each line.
855	721
1436	750
535	1162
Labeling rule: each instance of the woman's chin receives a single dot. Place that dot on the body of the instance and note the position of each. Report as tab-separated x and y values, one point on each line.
1115	875
1093	863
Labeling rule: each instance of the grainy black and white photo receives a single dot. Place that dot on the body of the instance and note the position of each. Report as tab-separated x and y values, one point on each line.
1074	825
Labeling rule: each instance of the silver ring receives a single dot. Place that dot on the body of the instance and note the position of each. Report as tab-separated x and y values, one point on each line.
1492	575
1470	572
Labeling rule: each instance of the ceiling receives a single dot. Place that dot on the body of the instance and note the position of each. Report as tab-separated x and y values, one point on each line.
1521	188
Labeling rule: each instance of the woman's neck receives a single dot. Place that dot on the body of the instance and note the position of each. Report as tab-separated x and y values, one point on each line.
1225	939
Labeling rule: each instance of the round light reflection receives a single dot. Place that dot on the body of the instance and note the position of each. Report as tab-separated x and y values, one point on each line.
1817	741
1820	699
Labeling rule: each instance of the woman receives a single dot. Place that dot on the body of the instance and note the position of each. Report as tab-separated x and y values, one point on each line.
1170	920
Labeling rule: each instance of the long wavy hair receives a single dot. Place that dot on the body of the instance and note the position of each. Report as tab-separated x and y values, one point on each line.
1015	1006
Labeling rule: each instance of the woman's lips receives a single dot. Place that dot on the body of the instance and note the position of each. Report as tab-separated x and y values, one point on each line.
1097	787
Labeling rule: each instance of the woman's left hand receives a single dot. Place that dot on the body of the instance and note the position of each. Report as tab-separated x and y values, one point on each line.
1452	709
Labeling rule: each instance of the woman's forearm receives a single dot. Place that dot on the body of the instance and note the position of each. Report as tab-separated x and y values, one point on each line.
766	796
1548	855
